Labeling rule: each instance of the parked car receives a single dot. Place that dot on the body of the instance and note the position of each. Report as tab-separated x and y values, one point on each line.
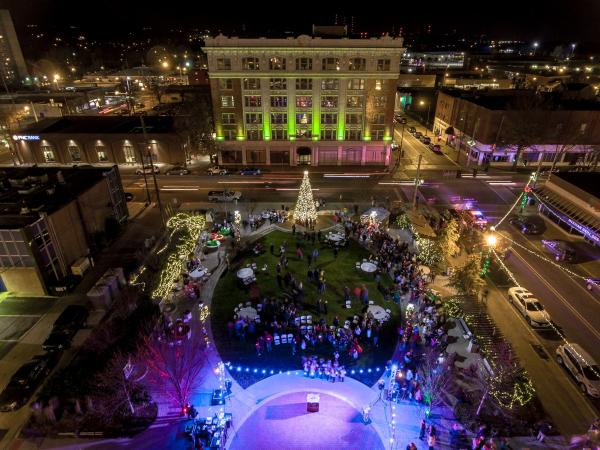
418	134
147	169
250	171
426	140
224	196
593	285
177	170
59	339
582	366
528	224
412	130
529	306
561	250
216	170
73	317
435	148
475	218
25	381
128	196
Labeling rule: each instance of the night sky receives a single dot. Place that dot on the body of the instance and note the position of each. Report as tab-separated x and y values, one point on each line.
550	20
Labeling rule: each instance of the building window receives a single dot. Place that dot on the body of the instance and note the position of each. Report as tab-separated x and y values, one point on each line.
380	101
74	152
378	85
329	101
383	65
328	135
379	118
251	83
303	63
276	63
329	118
280	156
303	118
279	135
227	101
101	152
353	135
128	153
250	63
254	135
48	153
330	84
231	156
353	119
354	101
225	83
252	101
582	128
278	101
256	156
356	64
229	135
303	84
352	155
278	84
356	83
223	64
377	135
331	64
304	101
279	118
228	118
253	118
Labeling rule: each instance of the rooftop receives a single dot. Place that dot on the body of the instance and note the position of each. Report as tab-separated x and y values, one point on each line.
304	41
519	99
102	124
25	192
586	181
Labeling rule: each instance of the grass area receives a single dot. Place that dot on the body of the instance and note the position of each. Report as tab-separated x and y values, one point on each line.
339	272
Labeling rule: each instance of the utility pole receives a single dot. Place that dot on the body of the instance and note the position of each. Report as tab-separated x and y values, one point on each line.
148	197
147	146
417	181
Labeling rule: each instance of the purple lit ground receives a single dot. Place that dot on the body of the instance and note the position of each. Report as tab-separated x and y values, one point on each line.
284	423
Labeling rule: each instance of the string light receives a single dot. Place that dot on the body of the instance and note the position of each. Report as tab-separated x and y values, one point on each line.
305	211
189	227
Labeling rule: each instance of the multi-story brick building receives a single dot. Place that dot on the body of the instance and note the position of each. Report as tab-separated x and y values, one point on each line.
300	101
498	126
50	219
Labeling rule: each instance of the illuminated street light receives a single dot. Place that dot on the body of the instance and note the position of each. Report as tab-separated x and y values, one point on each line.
491	240
165	64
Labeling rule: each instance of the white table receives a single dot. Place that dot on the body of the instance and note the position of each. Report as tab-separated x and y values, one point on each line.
378	312
335	237
368	267
244	273
198	273
265	215
248	313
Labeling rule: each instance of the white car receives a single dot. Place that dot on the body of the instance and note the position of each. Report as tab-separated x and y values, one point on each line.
529	306
582	366
216	170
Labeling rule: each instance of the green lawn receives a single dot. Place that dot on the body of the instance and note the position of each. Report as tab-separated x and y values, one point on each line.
339	272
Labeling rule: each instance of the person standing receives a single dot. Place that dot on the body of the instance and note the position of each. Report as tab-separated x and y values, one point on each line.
315	255
423	429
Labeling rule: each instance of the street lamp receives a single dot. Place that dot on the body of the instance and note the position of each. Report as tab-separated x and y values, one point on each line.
491	240
56	78
535	46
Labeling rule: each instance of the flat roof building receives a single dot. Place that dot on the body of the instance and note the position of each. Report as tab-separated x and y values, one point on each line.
304	100
50	218
101	139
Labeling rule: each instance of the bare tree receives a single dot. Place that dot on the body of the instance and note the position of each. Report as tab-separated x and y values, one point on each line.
175	366
437	377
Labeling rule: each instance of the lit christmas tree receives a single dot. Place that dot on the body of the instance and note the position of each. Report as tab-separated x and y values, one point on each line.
305	205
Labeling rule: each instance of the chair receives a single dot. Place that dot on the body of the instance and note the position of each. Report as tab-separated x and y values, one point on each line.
297	321
371	302
290	338
303	319
303	329
308	320
276	340
283	339
309	328
357	265
348	306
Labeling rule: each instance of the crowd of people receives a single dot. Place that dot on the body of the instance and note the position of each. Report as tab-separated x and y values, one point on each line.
325	369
